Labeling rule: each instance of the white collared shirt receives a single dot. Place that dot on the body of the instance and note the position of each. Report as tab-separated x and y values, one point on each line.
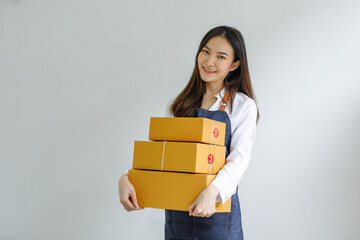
243	131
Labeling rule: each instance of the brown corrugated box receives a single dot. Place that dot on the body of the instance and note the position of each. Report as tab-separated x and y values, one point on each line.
187	129
178	156
171	190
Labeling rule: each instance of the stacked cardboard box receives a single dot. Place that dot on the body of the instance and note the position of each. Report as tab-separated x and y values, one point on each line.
182	159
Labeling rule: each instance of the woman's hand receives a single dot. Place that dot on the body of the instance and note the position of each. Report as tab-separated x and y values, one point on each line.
204	205
127	194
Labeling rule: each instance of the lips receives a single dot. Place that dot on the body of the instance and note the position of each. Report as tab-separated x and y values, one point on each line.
208	71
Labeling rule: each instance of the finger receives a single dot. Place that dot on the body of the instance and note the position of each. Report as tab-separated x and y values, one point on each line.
133	199
209	215
191	208
197	212
130	208
127	203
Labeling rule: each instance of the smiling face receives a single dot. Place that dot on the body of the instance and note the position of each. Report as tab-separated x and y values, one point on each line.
215	60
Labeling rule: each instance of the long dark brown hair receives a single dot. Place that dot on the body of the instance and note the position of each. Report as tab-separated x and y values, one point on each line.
190	98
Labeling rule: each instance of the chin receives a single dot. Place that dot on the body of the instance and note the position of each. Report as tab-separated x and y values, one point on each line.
206	79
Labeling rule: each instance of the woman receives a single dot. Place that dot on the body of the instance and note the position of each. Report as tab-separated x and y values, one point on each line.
220	76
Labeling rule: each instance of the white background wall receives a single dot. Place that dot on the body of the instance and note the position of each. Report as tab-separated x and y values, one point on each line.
80	79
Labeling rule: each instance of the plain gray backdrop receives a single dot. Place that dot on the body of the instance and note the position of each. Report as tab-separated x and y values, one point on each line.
79	81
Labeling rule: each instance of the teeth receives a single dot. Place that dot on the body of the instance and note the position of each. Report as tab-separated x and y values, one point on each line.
208	70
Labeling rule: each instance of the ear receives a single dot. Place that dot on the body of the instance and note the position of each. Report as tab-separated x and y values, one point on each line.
235	65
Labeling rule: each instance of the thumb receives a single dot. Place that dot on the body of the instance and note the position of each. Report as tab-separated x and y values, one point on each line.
191	208
134	199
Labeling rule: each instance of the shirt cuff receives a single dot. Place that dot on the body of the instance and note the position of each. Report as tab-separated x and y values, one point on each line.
222	197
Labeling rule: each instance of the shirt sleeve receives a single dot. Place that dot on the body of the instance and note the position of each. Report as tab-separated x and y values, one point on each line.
242	138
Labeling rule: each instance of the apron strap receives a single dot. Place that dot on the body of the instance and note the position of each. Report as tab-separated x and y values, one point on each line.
224	100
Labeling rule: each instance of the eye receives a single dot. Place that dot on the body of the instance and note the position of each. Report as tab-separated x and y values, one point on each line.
205	51
222	57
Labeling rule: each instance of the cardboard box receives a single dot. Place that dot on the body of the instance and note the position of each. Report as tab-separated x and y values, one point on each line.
187	129
171	190
179	156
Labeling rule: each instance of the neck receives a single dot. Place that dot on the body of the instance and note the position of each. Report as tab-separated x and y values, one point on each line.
213	88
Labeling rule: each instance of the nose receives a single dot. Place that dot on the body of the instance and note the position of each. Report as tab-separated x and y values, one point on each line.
210	61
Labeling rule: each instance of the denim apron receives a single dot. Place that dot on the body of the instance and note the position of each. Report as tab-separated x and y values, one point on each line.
179	225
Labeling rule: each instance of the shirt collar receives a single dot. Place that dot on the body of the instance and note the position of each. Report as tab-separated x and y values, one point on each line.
221	93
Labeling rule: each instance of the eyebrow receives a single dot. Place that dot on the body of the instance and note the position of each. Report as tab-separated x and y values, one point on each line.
218	52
